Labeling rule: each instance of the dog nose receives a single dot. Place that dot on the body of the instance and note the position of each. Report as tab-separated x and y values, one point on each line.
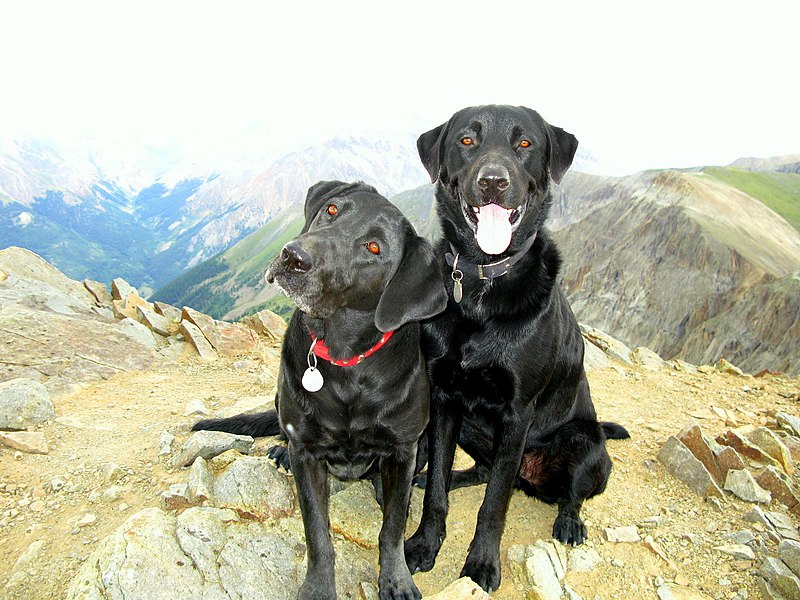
294	257
493	180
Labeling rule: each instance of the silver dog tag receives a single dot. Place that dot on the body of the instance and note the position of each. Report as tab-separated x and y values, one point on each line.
458	292
312	380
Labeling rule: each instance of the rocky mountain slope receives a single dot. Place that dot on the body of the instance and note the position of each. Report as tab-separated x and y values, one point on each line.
696	264
95	500
688	265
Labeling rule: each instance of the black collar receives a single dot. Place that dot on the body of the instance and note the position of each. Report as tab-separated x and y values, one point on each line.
492	270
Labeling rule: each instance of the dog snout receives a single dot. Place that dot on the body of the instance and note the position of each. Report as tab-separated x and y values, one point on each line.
295	258
493	180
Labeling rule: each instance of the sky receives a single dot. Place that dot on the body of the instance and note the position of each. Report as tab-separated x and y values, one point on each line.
640	84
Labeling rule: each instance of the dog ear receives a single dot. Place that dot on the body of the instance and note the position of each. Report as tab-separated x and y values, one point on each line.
562	150
316	196
416	291
431	150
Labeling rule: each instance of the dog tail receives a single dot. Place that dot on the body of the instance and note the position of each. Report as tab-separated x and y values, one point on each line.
254	425
614	431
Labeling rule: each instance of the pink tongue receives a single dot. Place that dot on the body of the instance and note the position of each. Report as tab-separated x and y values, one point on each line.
494	229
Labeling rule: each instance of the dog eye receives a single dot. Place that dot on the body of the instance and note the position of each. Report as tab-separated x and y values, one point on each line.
467	141
374	247
332	210
525	144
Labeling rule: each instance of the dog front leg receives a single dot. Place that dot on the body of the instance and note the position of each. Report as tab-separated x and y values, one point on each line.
397	470
483	559
445	422
311	479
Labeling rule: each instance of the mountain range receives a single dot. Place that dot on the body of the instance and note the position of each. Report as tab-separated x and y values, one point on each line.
696	263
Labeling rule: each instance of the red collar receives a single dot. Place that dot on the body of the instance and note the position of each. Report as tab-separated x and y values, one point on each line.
319	348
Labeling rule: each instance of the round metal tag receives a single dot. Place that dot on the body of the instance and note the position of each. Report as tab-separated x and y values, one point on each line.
312	380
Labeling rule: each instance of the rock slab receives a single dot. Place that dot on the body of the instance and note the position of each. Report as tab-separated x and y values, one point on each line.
24	403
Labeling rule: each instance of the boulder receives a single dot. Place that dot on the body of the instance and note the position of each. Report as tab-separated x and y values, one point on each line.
780	486
167	310
267	324
24	403
207	552
209	444
137	332
780	577
683	465
613	348
742	485
156	322
789	551
121	289
195	337
647	359
693	438
736	439
101	295
767	441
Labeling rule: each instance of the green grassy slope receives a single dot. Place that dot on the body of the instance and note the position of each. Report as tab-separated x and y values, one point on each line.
779	191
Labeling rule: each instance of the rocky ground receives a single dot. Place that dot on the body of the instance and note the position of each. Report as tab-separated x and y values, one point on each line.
106	511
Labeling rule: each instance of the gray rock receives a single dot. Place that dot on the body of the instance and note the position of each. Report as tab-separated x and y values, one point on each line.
196	407
757	515
460	589
682	464
780	577
30	560
647	359
783	525
111	472
628	534
355	513
252	486
30	442
86	347
209	444
165	443
200	483
789	423
741	483
101	295
24	403
737	551
167	310
208	553
195	337
743	536
594	358
613	348
138	332
789	551
538	569
121	289
583	559
154	322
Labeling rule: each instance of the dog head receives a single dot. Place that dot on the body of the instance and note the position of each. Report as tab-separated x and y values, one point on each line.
493	165
357	250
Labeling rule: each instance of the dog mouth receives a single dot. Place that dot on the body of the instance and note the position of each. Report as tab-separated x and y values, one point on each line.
493	225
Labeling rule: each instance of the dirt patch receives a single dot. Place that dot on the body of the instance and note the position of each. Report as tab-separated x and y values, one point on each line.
46	498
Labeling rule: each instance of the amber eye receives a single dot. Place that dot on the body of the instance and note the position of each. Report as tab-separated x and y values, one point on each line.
374	247
524	143
467	141
332	210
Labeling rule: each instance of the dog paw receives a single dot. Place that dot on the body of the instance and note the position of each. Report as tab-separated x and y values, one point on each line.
483	571
280	456
398	587
420	480
421	552
313	591
569	529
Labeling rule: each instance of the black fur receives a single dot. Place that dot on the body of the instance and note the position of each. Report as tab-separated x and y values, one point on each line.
506	364
367	419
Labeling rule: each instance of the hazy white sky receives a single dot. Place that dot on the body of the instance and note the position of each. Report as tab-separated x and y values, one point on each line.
641	84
